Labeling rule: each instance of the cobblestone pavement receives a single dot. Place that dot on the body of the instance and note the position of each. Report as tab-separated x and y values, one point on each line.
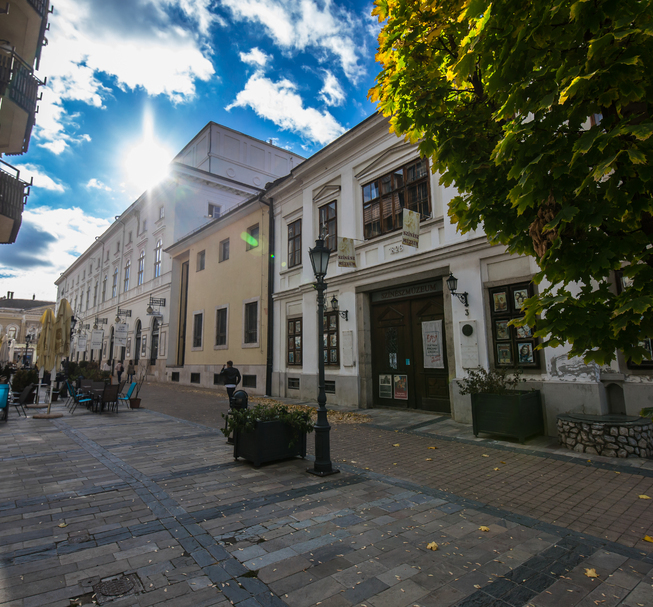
148	507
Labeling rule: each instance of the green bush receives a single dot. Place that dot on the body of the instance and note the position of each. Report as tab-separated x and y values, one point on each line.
245	420
24	378
481	381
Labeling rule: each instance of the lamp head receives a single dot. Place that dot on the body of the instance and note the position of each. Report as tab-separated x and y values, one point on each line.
334	303
149	309
319	255
452	283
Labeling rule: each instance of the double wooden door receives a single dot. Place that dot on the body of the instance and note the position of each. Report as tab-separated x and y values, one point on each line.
400	376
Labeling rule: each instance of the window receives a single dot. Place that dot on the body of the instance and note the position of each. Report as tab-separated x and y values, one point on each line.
295	243
162	212
198	319
201	259
249	381
88	297
114	284
293	383
144	227
174	376
221	327
214	210
141	267
329	224
385	198
252	238
224	250
251	322
194	378
128	269
129	238
512	346
107	256
330	338
295	341
118	247
623	282
157	258
104	288
95	293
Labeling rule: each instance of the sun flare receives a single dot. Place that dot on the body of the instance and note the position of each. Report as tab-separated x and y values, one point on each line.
146	164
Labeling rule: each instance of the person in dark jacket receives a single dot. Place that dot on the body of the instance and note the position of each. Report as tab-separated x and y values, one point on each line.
231	378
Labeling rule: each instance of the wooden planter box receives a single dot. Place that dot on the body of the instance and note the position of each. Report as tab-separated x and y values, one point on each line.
268	442
134	403
517	414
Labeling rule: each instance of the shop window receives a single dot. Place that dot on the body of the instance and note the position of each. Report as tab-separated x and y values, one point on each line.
623	282
329	225
512	346
295	243
330	336
295	341
385	198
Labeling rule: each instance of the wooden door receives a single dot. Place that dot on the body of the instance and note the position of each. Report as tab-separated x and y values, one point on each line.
431	385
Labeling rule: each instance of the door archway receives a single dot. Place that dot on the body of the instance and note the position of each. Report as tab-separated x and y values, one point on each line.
154	350
137	342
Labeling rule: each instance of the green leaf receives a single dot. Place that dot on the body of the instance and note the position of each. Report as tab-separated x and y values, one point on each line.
636	157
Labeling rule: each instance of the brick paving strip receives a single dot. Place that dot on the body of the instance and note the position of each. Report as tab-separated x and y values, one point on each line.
159	504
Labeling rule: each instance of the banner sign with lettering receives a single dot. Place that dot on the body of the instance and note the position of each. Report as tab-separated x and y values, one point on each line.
410	234
120	335
432	344
82	342
346	253
97	337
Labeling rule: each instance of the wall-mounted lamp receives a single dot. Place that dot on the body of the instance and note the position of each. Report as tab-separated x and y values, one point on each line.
452	283
99	321
120	313
154	301
334	306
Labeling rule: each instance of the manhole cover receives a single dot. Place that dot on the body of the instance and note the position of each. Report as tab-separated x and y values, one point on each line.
114	587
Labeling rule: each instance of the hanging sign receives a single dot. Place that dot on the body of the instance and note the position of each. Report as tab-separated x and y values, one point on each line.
410	233
82	342
346	253
120	335
97	337
401	386
432	344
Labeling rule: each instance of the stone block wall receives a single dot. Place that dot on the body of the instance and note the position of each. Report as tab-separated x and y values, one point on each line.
633	439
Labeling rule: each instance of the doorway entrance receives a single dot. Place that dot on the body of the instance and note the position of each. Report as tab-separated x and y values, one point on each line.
409	358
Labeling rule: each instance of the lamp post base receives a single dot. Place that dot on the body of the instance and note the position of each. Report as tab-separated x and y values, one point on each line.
322	472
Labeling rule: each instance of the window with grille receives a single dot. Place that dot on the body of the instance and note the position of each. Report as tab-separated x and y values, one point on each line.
252	237
174	376
224	250
384	199
295	341
197	329
221	327
293	383
295	243
141	267
128	268
251	323
329	225
194	378
249	381
157	258
201	260
513	346
330	338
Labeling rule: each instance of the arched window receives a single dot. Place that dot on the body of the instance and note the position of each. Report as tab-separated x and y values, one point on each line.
141	267
88	297
114	286
157	258
128	267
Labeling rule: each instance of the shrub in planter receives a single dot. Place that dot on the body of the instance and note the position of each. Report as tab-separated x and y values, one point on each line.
499	408
266	434
23	378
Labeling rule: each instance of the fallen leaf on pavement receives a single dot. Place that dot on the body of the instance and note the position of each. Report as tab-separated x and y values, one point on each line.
63	524
483	528
644	497
496	468
396	445
429	459
432	447
485	455
591	573
432	546
648	538
502	462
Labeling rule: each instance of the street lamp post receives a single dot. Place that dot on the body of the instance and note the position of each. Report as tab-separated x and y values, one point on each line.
323	467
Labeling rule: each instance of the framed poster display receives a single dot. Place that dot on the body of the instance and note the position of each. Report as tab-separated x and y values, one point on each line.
502	329
385	386
500	301
504	354
525	352
401	387
520	296
432	344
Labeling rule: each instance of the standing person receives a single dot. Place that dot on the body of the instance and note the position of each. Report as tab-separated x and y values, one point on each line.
231	378
119	370
130	371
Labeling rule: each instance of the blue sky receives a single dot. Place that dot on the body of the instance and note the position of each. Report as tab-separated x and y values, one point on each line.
295	71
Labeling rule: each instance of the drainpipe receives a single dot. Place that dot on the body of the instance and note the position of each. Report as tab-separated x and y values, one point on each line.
268	368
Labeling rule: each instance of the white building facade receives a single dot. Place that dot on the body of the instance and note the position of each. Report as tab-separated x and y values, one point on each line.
125	276
396	298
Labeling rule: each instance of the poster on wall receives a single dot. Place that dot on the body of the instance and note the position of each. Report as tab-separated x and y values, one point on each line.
97	337
144	346
346	253
120	335
401	387
432	344
410	233
385	386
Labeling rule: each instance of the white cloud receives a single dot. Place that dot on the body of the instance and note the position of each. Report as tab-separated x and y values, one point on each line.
255	57
48	242
137	43
299	25
278	101
96	184
332	93
41	179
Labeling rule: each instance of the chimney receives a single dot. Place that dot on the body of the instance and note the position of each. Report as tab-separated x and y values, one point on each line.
10	294
34	297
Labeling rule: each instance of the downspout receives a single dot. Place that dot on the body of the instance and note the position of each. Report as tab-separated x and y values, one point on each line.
271	248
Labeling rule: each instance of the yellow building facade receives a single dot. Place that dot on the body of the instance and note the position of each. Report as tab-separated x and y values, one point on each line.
219	292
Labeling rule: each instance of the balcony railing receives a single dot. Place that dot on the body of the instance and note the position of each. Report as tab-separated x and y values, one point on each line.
13	193
40	6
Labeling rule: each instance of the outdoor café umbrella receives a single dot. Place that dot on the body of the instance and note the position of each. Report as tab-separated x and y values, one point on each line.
4	349
61	340
46	350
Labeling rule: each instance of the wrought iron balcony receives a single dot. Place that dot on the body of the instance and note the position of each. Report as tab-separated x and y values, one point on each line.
40	6
13	193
